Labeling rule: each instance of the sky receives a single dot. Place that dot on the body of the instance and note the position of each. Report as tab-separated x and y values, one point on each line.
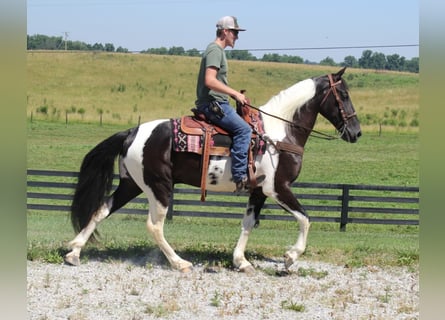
310	29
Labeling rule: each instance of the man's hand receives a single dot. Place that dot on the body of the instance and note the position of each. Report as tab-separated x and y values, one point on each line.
241	98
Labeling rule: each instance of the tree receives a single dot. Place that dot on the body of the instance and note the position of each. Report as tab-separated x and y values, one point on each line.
368	60
350	61
77	45
176	51
193	52
365	60
120	49
393	62
271	57
295	59
412	65
328	61
98	47
161	50
109	47
378	61
290	59
240	55
40	41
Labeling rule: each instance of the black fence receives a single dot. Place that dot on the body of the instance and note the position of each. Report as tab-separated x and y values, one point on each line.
338	203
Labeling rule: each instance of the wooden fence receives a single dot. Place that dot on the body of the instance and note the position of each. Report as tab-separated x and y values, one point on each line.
338	203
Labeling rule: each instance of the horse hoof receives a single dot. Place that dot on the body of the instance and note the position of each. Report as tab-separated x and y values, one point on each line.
72	260
186	270
248	269
288	261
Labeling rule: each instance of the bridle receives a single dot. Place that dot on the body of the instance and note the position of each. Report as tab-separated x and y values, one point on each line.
333	88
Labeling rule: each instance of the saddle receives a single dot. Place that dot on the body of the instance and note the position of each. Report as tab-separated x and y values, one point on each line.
194	133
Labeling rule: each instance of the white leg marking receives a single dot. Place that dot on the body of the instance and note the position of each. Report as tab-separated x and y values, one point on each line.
300	246
239	260
81	239
155	225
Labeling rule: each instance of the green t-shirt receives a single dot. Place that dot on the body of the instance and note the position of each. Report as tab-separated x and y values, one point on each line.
214	56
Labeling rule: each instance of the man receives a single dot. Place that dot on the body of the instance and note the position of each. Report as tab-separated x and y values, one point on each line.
213	94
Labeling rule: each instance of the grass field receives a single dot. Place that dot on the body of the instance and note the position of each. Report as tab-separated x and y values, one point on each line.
123	87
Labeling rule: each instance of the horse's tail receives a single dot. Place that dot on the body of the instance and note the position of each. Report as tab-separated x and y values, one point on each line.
95	180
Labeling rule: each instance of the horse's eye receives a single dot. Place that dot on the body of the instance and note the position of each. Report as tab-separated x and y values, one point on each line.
344	95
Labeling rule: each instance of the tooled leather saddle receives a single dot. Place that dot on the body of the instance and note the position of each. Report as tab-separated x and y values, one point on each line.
193	133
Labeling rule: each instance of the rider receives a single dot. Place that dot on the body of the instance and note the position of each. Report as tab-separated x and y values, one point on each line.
213	94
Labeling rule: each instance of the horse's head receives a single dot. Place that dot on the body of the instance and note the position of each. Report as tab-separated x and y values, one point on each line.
337	107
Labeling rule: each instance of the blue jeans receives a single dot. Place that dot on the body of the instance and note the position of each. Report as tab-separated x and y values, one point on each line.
241	136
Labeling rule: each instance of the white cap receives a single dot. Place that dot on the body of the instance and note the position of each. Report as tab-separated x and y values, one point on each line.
228	22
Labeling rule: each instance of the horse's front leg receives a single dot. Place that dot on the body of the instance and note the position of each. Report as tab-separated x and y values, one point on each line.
300	246
256	201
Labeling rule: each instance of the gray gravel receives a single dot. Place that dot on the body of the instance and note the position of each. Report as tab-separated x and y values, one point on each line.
312	290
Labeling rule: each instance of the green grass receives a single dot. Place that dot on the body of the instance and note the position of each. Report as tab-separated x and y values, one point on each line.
204	240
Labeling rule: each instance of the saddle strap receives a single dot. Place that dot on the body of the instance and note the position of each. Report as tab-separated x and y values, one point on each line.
289	147
205	161
251	168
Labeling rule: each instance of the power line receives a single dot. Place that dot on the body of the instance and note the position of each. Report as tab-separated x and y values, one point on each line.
335	47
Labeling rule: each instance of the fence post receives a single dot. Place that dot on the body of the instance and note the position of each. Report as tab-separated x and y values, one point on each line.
344	207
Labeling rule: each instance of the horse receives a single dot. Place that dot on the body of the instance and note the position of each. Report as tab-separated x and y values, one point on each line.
147	163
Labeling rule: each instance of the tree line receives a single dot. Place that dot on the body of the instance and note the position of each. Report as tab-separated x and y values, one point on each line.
368	60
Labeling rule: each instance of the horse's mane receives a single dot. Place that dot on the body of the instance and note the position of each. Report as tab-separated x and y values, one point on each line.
286	103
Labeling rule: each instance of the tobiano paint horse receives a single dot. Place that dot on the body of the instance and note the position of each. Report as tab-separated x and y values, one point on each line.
148	164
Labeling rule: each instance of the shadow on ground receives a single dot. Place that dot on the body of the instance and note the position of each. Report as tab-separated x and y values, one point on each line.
146	255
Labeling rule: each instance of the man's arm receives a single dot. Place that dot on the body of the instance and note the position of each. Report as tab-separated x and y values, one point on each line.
214	84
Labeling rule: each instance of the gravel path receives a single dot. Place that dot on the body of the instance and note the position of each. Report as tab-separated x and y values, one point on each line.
128	290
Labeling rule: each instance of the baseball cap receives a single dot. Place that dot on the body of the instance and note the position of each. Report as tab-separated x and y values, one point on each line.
228	22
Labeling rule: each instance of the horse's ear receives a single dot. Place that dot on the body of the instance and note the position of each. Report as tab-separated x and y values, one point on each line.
340	73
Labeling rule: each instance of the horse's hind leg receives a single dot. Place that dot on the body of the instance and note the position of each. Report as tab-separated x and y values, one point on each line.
155	225
76	245
126	191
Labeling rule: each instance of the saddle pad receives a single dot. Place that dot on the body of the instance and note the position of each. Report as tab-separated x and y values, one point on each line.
184	142
219	145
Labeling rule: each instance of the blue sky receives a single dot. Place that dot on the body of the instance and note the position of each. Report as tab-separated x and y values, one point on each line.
280	24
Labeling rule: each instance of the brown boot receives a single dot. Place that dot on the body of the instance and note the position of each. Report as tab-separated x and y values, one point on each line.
242	186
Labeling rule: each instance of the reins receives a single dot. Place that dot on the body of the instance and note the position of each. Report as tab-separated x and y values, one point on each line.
314	133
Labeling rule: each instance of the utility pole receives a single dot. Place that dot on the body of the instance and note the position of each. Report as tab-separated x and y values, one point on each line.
66	37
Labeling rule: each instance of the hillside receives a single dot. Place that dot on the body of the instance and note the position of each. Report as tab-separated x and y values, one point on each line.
125	88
